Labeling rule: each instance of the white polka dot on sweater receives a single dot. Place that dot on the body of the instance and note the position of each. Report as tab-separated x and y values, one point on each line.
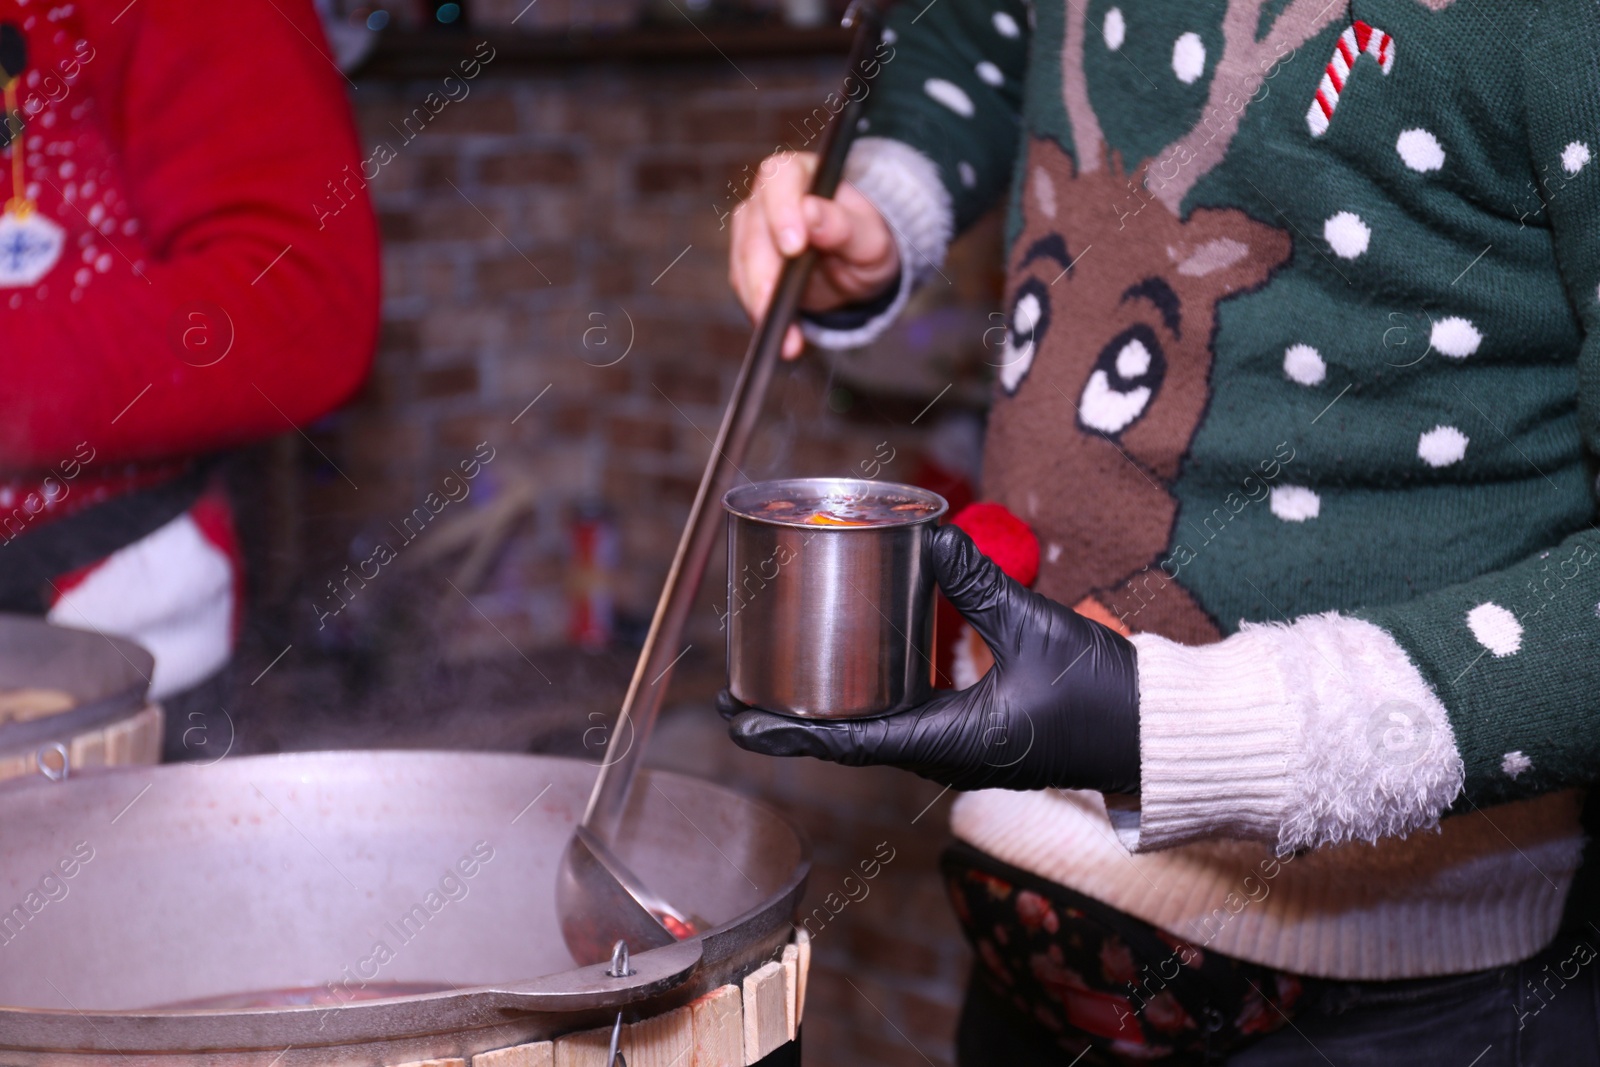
1295	503
1304	364
1420	150
1514	763
990	74
1114	29
1346	234
950	95
1495	628
969	176
1574	157
1455	337
1189	58
1442	446
1006	25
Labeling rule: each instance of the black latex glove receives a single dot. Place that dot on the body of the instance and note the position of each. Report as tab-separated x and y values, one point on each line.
1060	707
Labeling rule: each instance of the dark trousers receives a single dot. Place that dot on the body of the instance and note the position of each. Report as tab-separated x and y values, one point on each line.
1543	1012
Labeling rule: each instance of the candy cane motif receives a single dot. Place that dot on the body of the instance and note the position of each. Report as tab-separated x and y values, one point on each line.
1357	38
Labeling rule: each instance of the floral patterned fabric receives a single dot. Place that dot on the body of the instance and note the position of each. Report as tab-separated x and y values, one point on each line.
1106	985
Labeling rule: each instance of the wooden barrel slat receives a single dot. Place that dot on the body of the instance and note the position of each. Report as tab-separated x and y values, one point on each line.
733	1026
135	740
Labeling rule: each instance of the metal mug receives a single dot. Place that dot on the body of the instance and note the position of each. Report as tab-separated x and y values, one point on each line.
830	622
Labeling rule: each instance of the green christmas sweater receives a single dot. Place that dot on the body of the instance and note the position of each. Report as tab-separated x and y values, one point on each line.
1300	386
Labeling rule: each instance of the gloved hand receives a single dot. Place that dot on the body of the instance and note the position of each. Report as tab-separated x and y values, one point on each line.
1060	707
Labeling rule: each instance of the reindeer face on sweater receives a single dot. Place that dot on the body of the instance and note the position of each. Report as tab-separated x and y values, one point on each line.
1105	372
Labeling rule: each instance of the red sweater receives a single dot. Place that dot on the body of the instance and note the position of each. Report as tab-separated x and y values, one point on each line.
180	146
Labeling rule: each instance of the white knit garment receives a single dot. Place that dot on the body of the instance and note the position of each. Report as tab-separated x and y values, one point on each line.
1485	890
1303	735
1318	735
903	184
172	592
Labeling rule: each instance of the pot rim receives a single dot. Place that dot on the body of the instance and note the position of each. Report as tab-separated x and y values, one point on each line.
940	505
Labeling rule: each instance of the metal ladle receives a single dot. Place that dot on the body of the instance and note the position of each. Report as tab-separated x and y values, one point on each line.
598	899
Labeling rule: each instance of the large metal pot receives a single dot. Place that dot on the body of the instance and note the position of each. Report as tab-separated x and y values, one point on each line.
830	621
144	888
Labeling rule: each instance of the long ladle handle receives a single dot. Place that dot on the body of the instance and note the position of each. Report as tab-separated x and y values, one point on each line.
661	650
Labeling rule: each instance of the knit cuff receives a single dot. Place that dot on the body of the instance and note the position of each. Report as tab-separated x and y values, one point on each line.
903	184
854	316
1303	735
1214	742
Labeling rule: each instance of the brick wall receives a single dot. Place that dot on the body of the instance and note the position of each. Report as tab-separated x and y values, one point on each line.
536	230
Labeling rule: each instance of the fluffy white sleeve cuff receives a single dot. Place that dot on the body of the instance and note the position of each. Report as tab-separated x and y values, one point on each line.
903	184
1313	733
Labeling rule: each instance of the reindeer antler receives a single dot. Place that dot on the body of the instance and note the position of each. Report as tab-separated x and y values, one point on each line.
1238	76
1088	143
